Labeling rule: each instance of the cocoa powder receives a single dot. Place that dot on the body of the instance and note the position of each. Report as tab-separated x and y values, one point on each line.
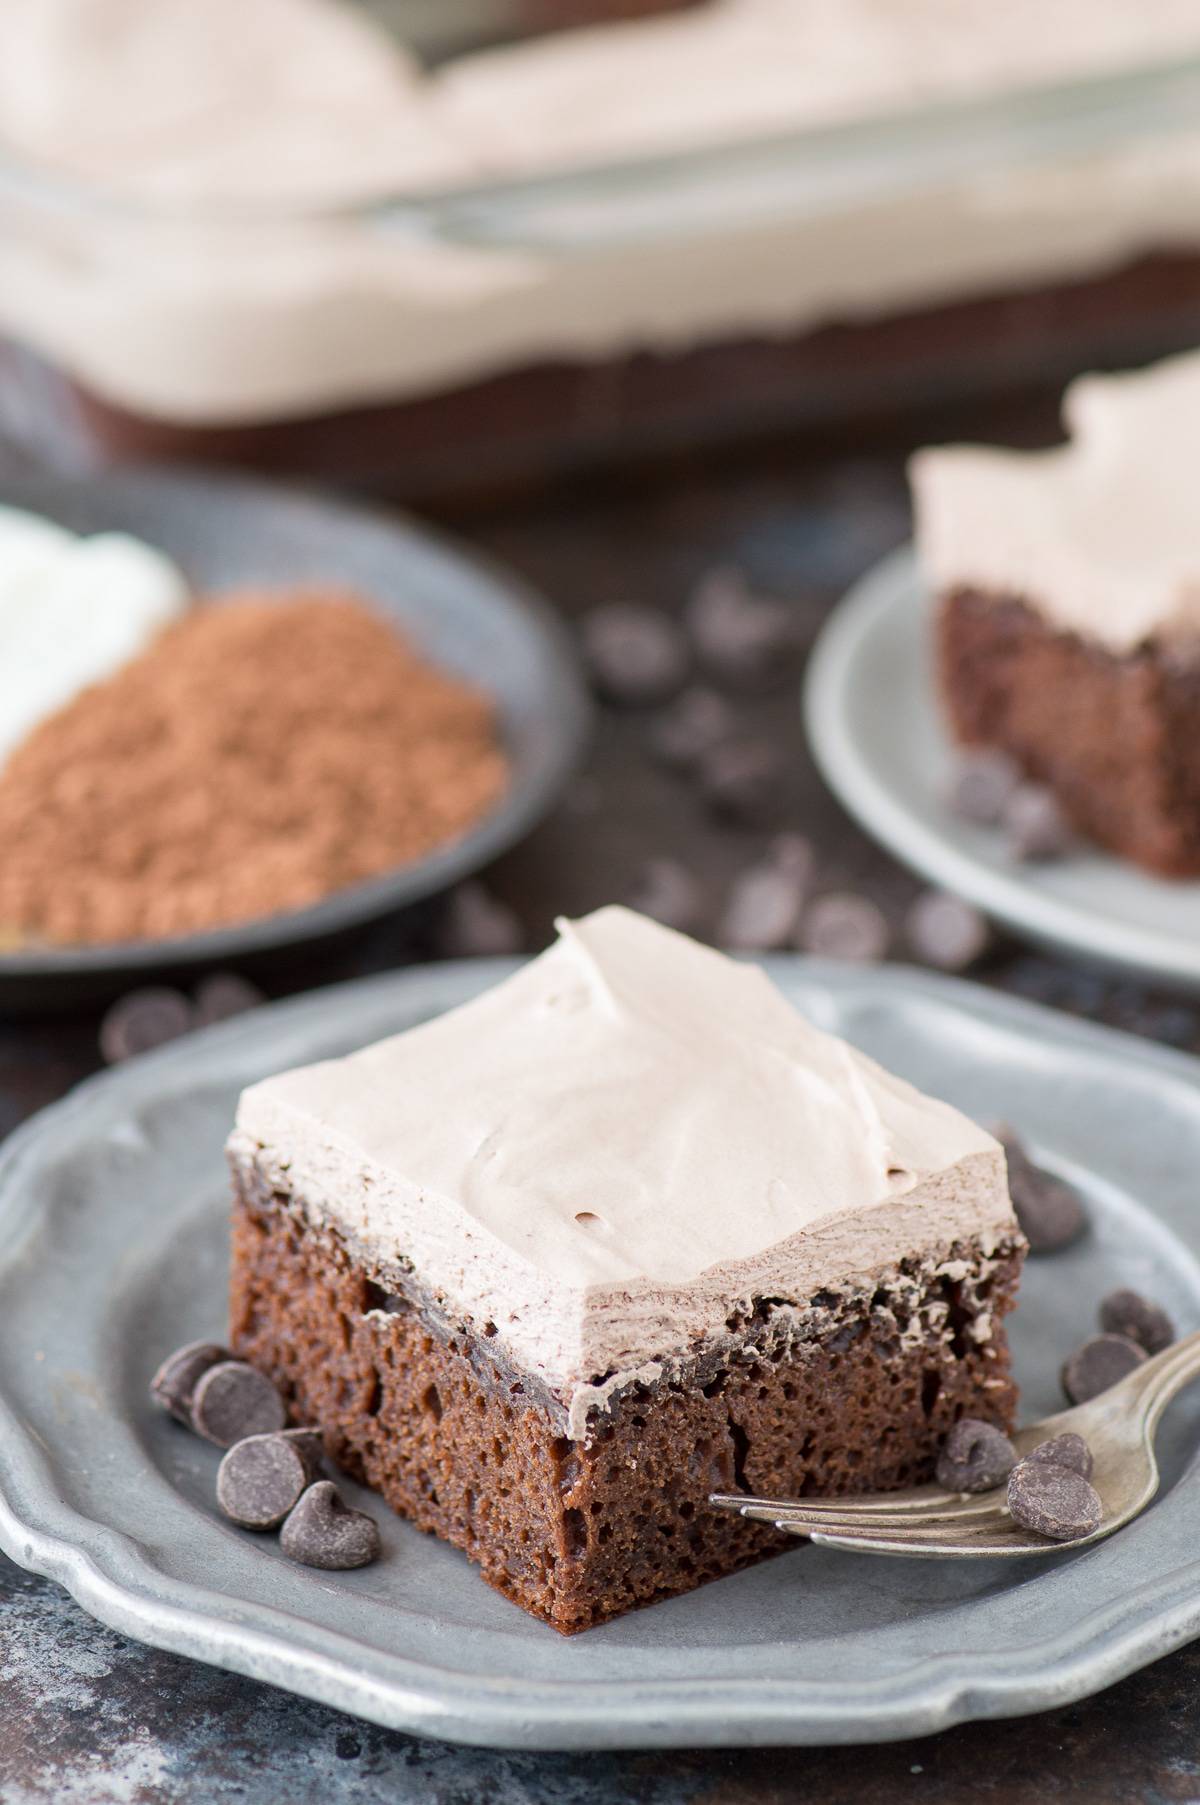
263	752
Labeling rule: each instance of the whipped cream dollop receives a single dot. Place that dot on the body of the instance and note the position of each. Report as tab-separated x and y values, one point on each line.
72	611
1101	535
227	304
605	1153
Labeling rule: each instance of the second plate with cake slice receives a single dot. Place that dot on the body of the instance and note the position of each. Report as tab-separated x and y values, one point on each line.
1051	626
876	731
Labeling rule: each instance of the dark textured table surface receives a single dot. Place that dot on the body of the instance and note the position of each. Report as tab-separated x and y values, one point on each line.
88	1717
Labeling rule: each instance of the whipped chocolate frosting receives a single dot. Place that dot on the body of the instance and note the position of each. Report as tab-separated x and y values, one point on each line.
1100	536
234	304
608	1152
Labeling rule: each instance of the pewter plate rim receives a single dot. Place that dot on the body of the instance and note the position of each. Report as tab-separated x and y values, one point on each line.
108	1567
886	773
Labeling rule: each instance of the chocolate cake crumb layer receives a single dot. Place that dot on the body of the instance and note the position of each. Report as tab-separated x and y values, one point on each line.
1113	735
842	1392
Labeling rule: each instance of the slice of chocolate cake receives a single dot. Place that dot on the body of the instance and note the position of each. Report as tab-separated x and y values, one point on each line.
1068	621
623	1231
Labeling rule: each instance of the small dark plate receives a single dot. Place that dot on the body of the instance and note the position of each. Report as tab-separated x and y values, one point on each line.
464	614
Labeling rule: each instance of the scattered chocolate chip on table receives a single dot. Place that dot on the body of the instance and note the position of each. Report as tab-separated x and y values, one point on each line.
1054	1501
323	1531
1099	1363
975	1457
233	1400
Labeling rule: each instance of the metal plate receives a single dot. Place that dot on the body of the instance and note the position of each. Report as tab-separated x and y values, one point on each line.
113	1249
468	617
875	729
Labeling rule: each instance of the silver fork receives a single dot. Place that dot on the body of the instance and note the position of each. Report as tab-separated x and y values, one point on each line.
925	1521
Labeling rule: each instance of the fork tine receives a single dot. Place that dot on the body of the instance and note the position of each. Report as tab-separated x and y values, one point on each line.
931	1541
829	1523
868	1511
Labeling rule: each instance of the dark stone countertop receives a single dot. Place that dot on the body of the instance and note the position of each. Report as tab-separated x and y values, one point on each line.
88	1717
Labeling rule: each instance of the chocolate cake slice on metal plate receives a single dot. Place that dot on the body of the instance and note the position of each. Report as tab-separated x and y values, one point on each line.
622	1231
1068	607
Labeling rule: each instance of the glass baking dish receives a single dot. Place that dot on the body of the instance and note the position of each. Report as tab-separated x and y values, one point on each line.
539	323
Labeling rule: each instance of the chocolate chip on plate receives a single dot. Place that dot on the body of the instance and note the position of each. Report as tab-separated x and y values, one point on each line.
1036	828
142	1020
1099	1363
691	727
766	900
224	994
1067	1450
636	657
748	641
844	925
667	892
1049	1211
173	1385
945	931
263	1477
233	1400
1053	1501
1128	1313
477	925
981	785
975	1457
323	1531
741	780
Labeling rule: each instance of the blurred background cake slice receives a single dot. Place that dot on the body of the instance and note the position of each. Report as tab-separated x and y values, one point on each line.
1068	607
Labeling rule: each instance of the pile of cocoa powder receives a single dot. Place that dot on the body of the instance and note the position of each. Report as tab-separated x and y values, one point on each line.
263	752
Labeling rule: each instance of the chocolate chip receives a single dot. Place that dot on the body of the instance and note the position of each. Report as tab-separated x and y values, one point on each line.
741	780
975	1457
223	995
1069	1450
1034	823
1129	1313
667	892
233	1400
1099	1363
635	657
1050	1212
323	1531
1053	1501
143	1020
748	641
263	1477
767	900
175	1382
845	926
981	786
945	931
684	733
477	925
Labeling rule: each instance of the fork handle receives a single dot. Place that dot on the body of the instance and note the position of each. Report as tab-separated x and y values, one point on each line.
1164	1375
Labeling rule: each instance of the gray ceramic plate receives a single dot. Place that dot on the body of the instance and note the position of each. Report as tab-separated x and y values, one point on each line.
875	730
112	1250
467	616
